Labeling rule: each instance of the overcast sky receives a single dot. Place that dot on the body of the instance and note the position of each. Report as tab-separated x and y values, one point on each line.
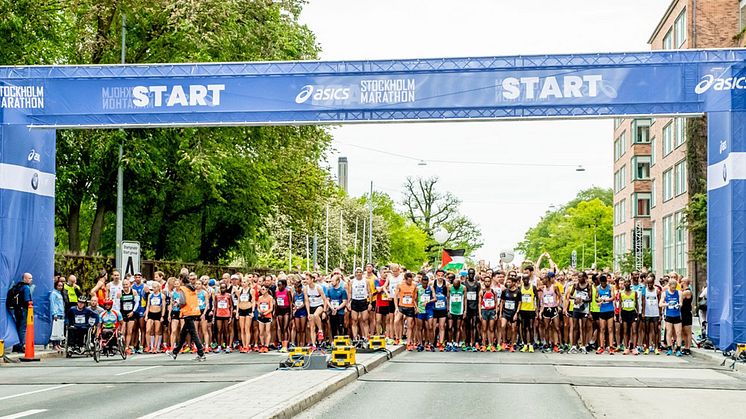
503	201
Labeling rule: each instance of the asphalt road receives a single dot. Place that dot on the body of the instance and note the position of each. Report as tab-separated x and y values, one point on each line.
75	388
481	385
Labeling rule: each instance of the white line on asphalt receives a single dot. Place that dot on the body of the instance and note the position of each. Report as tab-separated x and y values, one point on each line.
23	414
138	370
34	392
203	397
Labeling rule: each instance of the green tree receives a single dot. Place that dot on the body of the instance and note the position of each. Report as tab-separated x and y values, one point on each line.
628	261
584	225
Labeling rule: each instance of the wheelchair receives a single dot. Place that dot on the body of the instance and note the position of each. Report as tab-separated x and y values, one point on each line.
88	347
109	345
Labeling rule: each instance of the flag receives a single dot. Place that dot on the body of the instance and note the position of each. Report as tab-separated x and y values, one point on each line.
452	259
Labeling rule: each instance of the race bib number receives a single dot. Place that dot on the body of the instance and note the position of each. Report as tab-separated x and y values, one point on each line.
281	301
489	302
440	305
424	298
358	293
471	295
335	304
315	301
156	301
244	298
79	319
548	299
526	298
673	305
263	307
127	306
407	299
91	321
628	303
299	303
222	304
456	298
509	305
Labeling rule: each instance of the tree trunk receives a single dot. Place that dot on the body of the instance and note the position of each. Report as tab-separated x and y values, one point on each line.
73	228
94	244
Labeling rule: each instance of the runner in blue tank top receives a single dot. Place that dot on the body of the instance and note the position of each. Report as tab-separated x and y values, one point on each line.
671	302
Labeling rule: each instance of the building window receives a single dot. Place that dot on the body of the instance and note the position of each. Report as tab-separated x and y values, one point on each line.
620	211
742	15
668	139
668	40
617	122
652	152
647	239
668	244
641	131
680	237
680	29
652	245
680	178
620	249
667	185
642	204
680	137
652	194
620	178
640	167
620	145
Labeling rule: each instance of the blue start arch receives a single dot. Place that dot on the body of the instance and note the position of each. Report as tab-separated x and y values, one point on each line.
34	101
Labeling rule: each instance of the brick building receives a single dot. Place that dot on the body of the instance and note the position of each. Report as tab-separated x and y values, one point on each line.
650	154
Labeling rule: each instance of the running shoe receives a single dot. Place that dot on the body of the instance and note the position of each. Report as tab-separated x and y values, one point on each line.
389	341
448	347
657	352
635	351
228	350
213	345
647	351
512	348
489	348
129	351
573	350
171	354
583	350
524	348
200	358
530	349
138	350
256	348
396	342
186	350
611	350
217	350
478	347
555	349
626	351
600	350
669	352
678	352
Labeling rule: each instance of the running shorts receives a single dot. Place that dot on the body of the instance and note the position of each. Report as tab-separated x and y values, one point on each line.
488	315
605	315
359	305
549	313
407	311
629	316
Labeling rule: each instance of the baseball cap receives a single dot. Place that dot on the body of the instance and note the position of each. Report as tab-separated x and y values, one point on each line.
211	282
550	274
463	273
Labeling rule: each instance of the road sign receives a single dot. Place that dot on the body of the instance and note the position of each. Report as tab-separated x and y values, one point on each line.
130	257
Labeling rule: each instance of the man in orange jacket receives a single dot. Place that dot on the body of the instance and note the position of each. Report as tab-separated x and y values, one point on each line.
190	313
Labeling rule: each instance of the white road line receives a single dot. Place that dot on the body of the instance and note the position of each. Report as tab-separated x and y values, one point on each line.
34	392
204	397
23	414
138	370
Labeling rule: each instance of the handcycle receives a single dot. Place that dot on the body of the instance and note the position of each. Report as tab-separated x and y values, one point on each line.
71	348
109	342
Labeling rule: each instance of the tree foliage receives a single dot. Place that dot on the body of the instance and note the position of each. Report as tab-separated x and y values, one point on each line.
431	210
574	227
190	194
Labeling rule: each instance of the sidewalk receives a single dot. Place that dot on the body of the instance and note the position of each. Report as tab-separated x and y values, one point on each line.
269	396
717	357
40	351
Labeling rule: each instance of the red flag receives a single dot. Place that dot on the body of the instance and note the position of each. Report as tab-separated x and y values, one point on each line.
446	259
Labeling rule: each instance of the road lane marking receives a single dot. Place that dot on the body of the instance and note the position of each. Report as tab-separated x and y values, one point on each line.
23	414
204	397
138	370
34	392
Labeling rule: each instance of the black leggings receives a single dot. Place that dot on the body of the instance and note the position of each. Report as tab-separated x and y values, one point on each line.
338	324
190	329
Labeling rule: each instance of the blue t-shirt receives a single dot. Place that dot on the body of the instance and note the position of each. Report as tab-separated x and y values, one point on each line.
336	297
82	319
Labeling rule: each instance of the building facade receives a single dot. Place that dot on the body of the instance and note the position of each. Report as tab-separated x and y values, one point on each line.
651	188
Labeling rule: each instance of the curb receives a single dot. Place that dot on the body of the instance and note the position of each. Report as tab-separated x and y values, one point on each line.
718	358
15	357
327	389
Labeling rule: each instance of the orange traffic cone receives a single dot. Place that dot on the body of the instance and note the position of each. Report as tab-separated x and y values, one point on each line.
29	355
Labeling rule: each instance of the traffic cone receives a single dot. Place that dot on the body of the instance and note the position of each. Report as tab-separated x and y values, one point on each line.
29	355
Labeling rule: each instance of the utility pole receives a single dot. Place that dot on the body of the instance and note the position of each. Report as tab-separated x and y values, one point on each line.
354	251
341	227
326	243
120	175
290	251
362	249
308	256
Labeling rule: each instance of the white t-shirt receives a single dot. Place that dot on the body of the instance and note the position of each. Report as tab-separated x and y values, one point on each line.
114	293
394	282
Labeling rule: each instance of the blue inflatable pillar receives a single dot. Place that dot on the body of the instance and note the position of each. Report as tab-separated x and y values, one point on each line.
27	187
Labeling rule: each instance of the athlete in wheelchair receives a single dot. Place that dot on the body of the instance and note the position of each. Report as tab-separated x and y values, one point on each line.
110	331
81	322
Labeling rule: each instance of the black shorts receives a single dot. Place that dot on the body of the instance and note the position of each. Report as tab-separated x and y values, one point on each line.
283	311
407	311
222	318
383	310
686	319
359	305
440	314
244	312
577	314
595	315
509	316
629	316
550	313
673	320
605	315
472	312
527	315
157	315
175	315
652	320
263	319
126	317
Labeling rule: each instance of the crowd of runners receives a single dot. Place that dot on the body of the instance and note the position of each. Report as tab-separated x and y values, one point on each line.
513	309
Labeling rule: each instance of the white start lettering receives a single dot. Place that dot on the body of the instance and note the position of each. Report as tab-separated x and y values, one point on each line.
177	95
321	94
541	88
